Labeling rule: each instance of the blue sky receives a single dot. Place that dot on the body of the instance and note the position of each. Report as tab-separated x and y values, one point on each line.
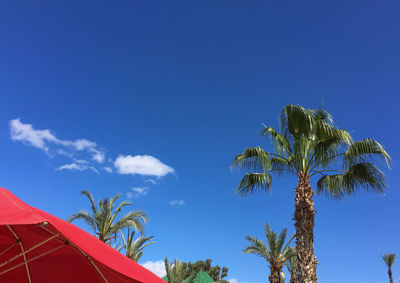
165	93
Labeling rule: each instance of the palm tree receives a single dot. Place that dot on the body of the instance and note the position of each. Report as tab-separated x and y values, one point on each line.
275	253
389	260
103	220
308	145
134	249
291	264
176	272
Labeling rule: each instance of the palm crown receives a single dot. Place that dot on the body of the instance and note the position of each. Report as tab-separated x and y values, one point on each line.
389	259
176	272
309	144
276	252
103	220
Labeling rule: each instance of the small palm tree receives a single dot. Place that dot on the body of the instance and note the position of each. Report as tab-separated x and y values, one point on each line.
276	253
134	249
103	219
308	145
389	260
176	272
291	264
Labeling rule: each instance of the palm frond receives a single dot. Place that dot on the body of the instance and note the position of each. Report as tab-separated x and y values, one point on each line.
132	219
291	260
254	182
282	145
282	166
252	158
364	151
271	239
85	216
364	176
281	239
296	120
90	197
328	145
118	209
257	247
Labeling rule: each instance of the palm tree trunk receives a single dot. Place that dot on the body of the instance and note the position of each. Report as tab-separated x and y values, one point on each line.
274	276
390	275
304	223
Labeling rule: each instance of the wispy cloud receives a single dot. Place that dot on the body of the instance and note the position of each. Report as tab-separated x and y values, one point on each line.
107	169
72	166
157	267
77	167
26	133
138	192
51	145
151	181
145	165
177	202
84	154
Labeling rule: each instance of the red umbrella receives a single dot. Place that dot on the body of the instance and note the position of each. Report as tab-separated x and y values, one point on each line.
38	247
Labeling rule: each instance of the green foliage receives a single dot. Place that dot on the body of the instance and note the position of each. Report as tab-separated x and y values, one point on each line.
309	144
103	220
189	271
215	272
275	252
134	248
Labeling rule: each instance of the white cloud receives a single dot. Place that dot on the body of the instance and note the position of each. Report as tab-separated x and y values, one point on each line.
82	144
138	192
157	267
107	169
73	166
26	133
177	202
141	165
98	156
48	142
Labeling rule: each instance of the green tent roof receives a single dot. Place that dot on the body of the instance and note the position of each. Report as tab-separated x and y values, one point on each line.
165	278
201	277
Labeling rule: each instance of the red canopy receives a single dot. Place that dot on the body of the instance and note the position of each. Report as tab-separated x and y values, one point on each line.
38	247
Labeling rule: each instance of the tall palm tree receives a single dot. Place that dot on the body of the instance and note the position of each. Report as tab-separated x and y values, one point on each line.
389	260
308	145
103	219
291	264
176	272
134	249
275	252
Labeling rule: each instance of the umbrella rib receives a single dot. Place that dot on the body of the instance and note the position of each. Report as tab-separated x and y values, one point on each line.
32	259
22	249
12	245
81	251
28	250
